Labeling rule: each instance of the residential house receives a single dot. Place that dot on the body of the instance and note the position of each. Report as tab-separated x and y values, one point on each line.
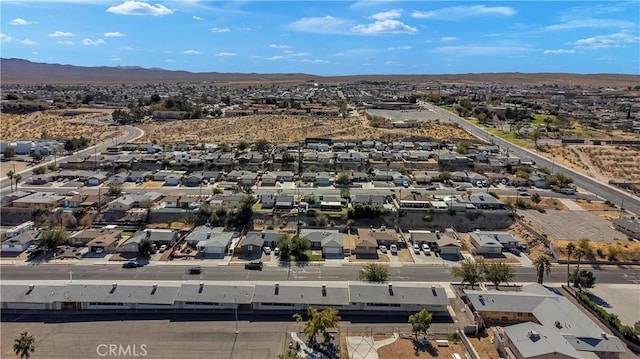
251	245
443	243
39	200
506	239
538	179
268	200
217	245
628	226
21	228
382	237
201	233
159	237
284	203
269	179
85	236
369	199
97	179
172	180
248	179
485	243
106	243
555	317
366	247
481	201
21	242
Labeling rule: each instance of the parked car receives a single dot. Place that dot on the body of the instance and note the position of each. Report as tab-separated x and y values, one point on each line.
99	250
522	189
36	252
431	188
383	248
427	251
524	194
276	251
514	251
195	270
393	248
163	248
405	184
32	248
132	264
267	250
254	264
461	188
416	249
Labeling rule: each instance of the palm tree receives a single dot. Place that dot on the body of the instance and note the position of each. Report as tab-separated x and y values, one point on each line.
584	249
570	249
543	265
18	178
23	346
10	175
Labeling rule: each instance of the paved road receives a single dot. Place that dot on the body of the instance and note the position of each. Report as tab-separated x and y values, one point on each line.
131	133
623	199
307	273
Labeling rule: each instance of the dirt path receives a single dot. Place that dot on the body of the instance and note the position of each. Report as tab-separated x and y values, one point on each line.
593	171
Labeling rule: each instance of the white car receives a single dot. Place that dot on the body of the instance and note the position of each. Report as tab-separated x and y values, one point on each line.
163	248
393	248
427	251
99	250
416	248
267	250
425	247
383	248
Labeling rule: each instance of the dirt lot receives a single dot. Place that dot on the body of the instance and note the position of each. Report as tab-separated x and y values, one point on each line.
483	345
49	124
622	250
405	349
277	129
572	225
595	205
545	203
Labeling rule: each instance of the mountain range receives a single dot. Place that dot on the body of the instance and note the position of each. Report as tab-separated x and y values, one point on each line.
20	71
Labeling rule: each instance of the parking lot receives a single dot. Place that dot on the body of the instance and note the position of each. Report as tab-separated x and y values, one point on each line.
90	337
619	300
573	225
423	115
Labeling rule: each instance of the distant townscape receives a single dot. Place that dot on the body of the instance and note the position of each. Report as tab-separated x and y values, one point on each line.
274	176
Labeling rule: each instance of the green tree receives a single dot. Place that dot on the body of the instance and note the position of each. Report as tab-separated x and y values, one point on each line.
420	322
242	145
445	176
10	175
583	279
470	271
636	327
583	250
52	167
37	157
319	322
498	272
374	273
344	109
17	178
24	345
261	145
570	250
115	190
535	198
145	246
284	244
343	178
299	245
9	152
462	146
543	266
39	170
54	237
345	193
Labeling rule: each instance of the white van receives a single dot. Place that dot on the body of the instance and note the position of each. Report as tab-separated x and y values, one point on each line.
455	356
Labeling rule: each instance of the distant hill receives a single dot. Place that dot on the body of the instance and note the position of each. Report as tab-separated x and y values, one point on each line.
19	71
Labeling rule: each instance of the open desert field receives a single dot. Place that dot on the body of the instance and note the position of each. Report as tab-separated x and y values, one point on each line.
278	129
51	124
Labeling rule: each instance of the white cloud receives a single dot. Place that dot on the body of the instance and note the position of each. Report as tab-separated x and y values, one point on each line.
480	50
28	42
321	25
386	15
459	12
192	52
113	34
198	18
4	37
226	54
139	8
384	27
34	53
448	38
61	34
620	39
89	42
356	52
65	42
244	29
19	22
220	29
171	60
115	58
274	46
406	47
288	56
559	52
314	61
590	23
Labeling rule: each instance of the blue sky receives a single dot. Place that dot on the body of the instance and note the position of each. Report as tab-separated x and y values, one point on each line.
328	37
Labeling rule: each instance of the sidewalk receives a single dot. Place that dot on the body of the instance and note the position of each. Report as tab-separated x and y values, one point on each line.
360	347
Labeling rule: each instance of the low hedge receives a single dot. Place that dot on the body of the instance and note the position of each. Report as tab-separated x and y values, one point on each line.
626	331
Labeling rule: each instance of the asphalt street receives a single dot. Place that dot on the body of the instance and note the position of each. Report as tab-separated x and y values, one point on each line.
623	199
413	273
